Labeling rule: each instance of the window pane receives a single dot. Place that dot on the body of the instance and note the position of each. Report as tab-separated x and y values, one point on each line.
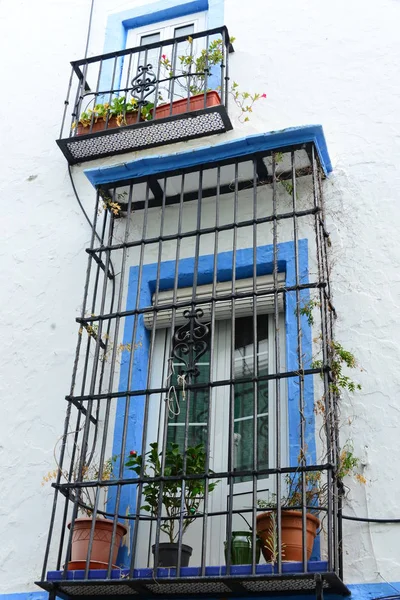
184	30
197	400
152	55
244	394
183	48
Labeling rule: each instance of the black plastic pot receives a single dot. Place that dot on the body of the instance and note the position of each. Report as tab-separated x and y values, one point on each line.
168	554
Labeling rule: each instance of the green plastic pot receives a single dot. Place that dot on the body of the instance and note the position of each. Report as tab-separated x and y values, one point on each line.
242	548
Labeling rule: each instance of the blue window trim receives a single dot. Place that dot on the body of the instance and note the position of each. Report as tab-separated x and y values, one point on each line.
152	165
118	24
244	269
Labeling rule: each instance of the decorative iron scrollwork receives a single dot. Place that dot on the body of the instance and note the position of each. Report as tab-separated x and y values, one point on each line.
144	83
190	344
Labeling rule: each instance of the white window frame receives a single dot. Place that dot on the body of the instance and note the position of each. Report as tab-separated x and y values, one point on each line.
243	491
166	28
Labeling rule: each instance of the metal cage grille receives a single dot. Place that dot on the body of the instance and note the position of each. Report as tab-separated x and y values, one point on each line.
181	430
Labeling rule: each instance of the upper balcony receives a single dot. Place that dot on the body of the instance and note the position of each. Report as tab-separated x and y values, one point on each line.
147	96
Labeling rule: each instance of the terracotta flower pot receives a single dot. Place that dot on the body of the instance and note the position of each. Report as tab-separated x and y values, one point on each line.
181	106
291	537
100	125
101	542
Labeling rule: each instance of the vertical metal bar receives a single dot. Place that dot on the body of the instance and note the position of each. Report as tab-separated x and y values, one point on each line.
174	76
165	429
111	90
142	102
148	384
130	367
188	78
84	375
321	277
255	373
211	379
95	96
336	494
224	70
300	363
156	92
206	72
113	362
231	465
128	73
97	490
278	425
80	94
85	437
87	421
66	104
190	392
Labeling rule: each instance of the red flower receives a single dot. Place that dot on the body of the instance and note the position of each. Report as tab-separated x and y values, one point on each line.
263	95
164	56
133	453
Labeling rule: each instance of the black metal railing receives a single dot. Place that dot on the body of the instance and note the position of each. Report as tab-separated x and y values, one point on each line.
133	90
197	415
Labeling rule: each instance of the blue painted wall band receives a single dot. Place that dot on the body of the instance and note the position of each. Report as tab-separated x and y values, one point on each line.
359	591
244	269
153	165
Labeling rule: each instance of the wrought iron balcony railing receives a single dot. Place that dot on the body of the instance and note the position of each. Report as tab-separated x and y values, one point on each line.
207	298
147	96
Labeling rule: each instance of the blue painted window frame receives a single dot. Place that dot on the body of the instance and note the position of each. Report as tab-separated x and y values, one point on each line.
244	269
118	24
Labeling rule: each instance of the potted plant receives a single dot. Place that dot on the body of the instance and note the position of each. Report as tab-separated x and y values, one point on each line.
109	115
172	493
291	518
191	75
102	537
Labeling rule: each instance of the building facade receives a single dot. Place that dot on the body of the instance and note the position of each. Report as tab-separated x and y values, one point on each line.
210	250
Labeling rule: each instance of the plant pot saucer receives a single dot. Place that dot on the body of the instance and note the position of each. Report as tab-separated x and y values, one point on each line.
80	565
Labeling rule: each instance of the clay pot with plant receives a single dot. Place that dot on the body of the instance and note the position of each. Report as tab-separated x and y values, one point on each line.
109	115
102	545
291	518
168	504
191	75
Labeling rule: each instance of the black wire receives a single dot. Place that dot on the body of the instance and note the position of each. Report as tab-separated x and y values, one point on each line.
368	520
89	28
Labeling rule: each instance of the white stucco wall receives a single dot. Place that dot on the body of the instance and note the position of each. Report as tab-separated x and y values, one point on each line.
318	63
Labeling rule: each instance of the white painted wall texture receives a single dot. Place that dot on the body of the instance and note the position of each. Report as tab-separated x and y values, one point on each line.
331	63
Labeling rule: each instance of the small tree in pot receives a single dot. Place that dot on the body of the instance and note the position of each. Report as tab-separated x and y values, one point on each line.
191	491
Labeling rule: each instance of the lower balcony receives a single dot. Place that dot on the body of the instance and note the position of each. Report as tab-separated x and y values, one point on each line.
147	96
200	446
266	581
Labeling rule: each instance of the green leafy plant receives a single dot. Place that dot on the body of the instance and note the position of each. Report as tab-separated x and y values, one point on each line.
191	74
119	107
192	490
339	358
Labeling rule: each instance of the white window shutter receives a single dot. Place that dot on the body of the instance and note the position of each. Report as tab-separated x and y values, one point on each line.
223	308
